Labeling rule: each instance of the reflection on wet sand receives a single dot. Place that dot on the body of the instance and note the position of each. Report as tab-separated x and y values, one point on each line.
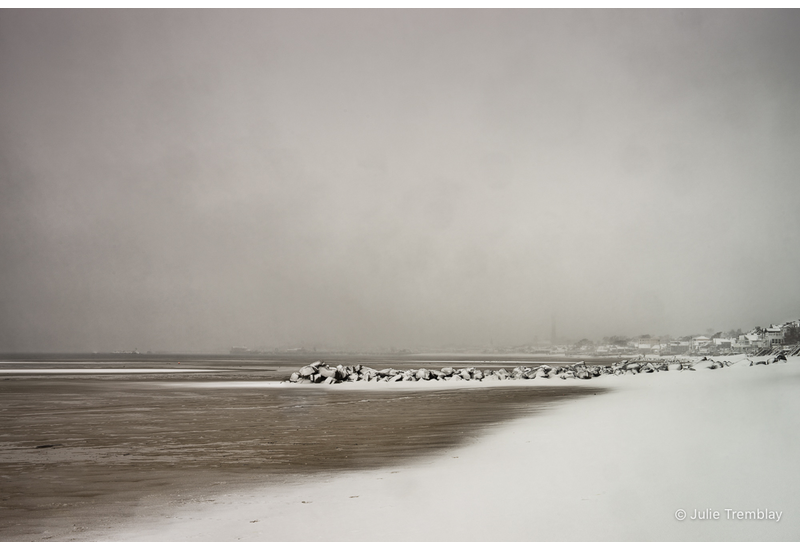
78	454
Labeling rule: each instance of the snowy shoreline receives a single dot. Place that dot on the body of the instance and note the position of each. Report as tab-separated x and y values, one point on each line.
617	466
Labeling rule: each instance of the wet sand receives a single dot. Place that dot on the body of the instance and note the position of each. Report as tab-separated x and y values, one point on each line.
81	454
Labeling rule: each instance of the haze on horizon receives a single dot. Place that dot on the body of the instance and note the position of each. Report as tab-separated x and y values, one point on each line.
195	180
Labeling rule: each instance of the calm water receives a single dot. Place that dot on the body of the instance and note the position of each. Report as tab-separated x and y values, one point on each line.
79	451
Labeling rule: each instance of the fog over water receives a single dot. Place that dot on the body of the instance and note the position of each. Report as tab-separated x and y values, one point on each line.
194	180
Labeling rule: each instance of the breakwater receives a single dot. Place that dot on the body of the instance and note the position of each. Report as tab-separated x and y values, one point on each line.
320	372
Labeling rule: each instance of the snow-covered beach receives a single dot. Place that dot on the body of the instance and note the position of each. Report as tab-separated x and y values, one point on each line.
621	465
301	274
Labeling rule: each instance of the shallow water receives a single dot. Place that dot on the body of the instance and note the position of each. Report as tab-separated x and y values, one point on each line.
79	451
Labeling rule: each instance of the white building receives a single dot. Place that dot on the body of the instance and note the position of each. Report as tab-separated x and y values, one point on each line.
774	335
699	342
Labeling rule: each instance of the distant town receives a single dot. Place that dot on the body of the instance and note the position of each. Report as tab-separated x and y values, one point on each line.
757	341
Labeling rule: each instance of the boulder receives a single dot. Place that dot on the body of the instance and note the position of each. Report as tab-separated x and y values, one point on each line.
477	375
343	372
327	372
423	374
307	372
294	377
448	371
316	364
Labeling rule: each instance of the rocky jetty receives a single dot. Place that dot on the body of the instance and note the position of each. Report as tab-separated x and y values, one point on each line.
322	373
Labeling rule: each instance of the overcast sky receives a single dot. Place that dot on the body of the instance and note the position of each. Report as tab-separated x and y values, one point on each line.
195	180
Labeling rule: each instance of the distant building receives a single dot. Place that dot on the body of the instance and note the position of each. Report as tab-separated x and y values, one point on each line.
723	343
679	346
749	342
700	342
648	343
774	335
